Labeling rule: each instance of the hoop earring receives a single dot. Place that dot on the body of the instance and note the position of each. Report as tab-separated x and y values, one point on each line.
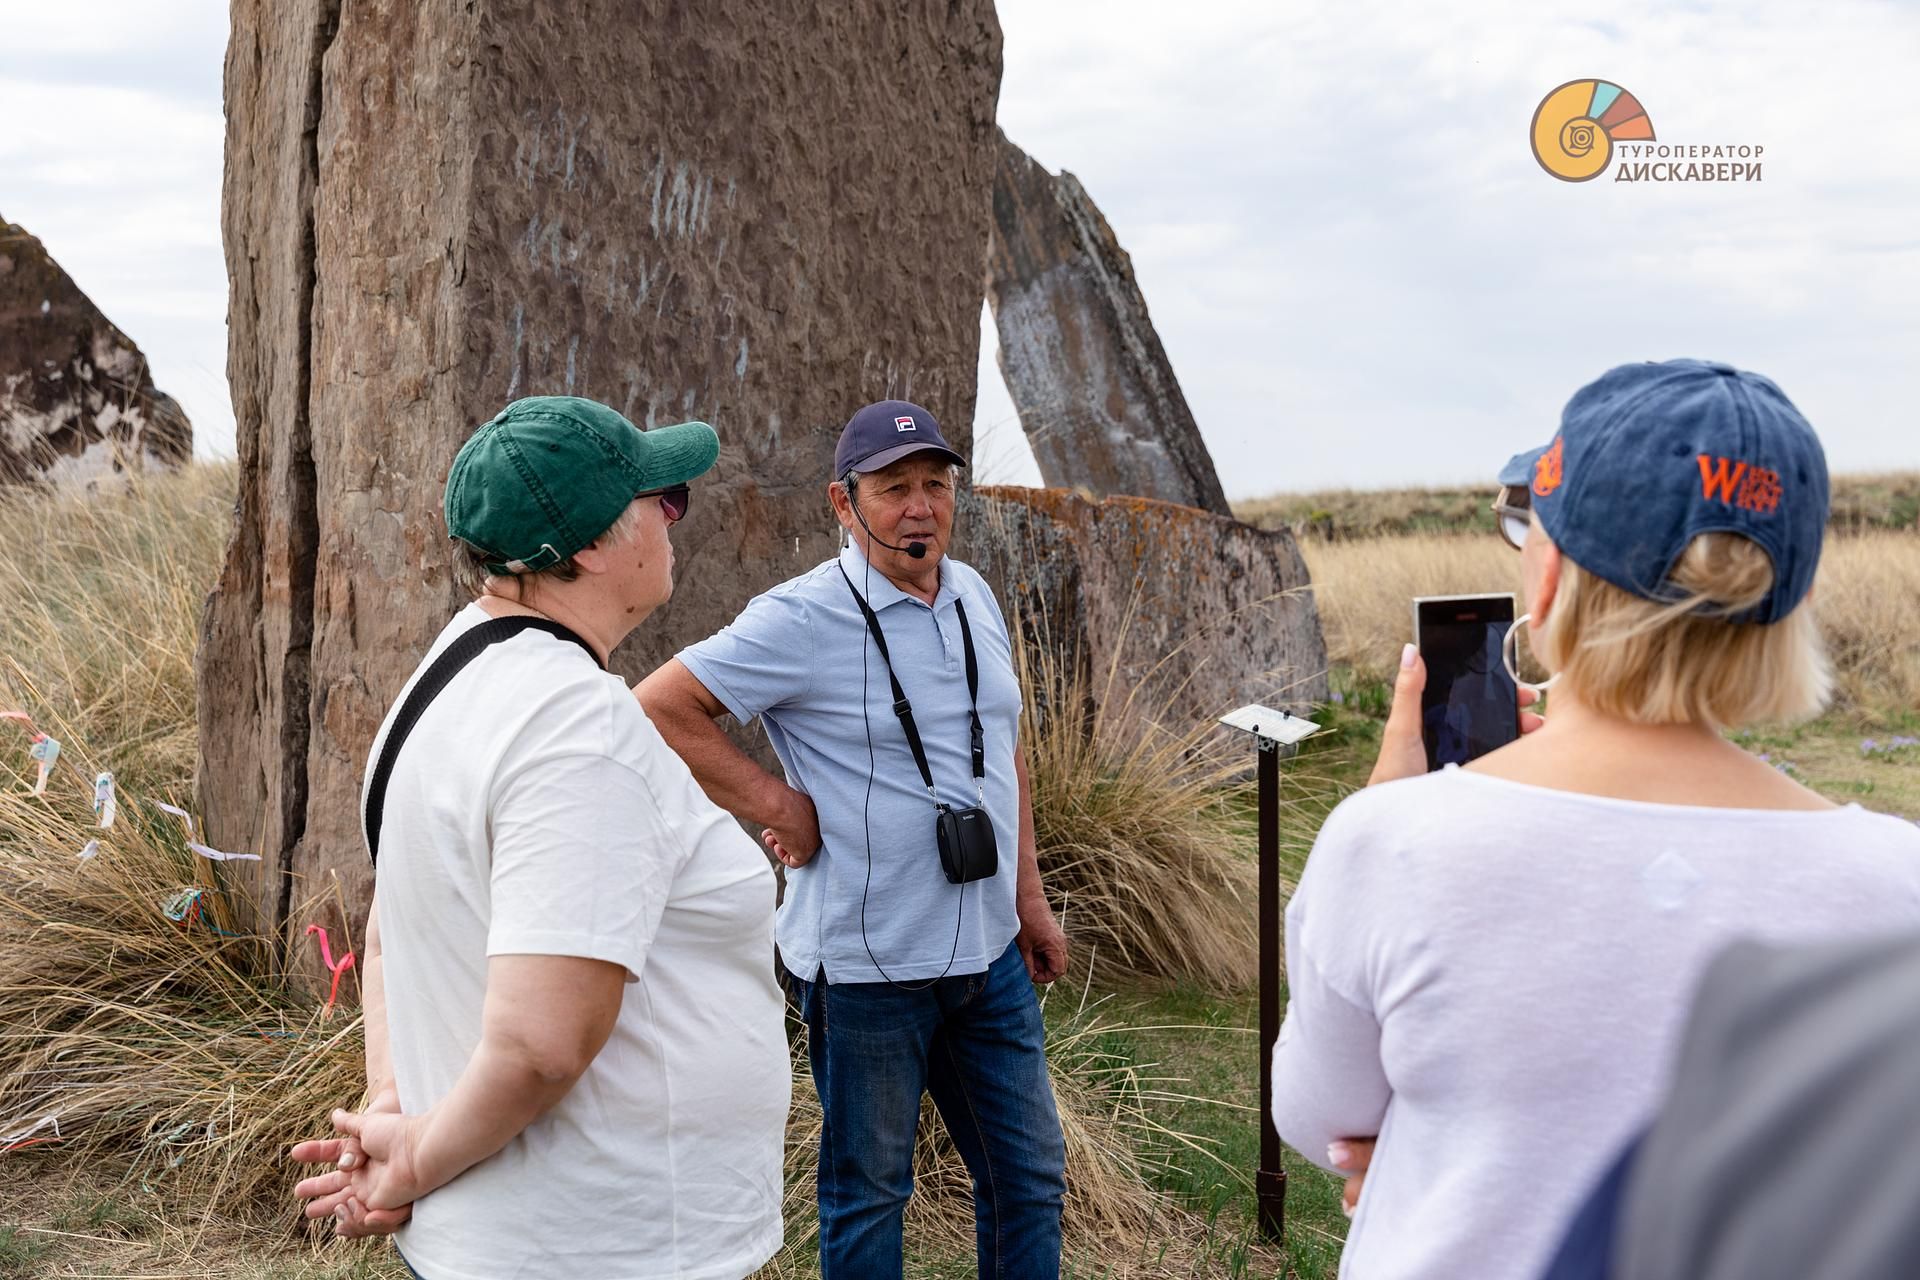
1509	654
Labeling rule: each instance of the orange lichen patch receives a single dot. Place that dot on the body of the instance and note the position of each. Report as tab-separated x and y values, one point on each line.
1172	598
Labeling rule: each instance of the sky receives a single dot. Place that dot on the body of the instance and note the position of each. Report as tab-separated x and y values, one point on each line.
1361	275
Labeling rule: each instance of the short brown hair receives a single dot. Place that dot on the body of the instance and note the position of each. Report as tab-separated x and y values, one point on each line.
470	562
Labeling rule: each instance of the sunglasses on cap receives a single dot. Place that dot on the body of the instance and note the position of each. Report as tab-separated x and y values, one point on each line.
1513	513
673	500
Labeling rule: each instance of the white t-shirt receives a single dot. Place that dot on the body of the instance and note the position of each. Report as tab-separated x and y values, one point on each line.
535	810
1492	977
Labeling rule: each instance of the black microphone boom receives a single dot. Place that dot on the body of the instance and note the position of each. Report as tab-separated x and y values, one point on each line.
914	550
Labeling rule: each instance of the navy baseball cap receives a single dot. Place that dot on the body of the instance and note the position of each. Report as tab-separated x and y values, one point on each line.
1650	456
881	434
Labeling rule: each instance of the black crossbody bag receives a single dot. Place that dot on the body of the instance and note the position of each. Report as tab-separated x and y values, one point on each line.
968	851
444	668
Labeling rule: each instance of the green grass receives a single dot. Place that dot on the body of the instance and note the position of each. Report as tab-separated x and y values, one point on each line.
21	1252
1850	757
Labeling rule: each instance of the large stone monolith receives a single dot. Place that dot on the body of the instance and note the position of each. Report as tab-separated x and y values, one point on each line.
751	212
1095	391
77	404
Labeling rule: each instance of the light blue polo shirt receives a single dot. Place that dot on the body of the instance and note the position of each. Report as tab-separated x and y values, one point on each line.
793	658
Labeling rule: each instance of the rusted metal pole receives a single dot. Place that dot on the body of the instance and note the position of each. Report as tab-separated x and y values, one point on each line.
1270	1180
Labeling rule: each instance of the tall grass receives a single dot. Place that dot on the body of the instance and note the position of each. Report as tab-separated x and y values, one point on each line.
176	1050
175	1056
1143	847
1867	596
99	608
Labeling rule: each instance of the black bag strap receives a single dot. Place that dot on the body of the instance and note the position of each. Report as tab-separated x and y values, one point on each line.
904	709
436	677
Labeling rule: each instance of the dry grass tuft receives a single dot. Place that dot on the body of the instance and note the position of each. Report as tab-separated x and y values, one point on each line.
165	1048
1145	846
1868	599
99	612
175	1051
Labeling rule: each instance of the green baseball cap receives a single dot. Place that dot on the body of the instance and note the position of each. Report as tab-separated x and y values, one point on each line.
549	474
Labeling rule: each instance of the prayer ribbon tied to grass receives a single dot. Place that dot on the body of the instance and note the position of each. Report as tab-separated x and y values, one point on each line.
26	1138
326	955
105	805
189	907
45	752
206	851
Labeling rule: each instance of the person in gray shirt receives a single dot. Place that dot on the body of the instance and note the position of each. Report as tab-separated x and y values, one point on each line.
885	681
1787	1146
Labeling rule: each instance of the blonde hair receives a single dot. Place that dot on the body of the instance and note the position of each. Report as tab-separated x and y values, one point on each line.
1682	661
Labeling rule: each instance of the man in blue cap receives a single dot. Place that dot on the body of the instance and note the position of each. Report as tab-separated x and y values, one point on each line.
914	925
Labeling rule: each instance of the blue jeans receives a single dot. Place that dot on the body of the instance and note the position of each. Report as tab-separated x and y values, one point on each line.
976	1043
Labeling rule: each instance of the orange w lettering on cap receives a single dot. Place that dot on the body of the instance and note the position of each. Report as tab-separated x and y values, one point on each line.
1740	484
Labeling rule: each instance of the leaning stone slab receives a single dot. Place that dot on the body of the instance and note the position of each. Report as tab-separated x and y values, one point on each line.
1171	614
745	214
1096	395
77	405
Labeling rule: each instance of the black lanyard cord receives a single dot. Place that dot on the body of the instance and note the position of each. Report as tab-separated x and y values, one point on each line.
904	708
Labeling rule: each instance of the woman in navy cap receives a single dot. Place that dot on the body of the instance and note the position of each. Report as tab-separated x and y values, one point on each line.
1488	964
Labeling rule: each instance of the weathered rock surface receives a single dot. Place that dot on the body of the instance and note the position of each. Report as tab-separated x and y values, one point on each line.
1184	613
77	405
754	213
1095	392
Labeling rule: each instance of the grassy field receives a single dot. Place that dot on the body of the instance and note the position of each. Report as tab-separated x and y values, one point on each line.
1867	595
1889	501
96	629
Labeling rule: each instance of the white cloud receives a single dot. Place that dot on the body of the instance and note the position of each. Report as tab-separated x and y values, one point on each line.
120	179
1400	294
1359	272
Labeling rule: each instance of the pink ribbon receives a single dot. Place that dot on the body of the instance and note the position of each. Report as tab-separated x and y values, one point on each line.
326	955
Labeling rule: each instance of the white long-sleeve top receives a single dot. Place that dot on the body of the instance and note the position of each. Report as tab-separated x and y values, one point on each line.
1491	976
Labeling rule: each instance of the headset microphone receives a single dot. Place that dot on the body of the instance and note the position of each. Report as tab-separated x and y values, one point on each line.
913	550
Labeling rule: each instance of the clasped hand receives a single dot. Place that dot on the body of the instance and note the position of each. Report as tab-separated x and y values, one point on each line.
376	1177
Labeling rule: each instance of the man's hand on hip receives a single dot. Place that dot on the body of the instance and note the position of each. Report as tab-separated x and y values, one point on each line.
797	838
1042	943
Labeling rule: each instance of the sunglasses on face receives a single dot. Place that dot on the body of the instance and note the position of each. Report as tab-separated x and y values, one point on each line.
673	500
1513	513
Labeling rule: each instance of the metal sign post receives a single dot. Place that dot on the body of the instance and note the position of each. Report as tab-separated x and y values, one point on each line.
1273	732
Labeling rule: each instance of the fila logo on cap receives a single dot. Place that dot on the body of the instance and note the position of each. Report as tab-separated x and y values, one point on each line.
903	424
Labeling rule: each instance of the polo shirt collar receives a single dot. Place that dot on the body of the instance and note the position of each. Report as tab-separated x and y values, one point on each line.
881	591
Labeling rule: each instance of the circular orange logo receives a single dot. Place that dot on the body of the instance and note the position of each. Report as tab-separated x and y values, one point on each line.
1575	127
